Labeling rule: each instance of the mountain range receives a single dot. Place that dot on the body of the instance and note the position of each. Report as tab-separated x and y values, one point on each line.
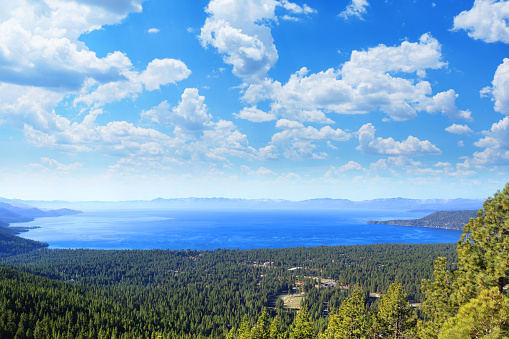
402	204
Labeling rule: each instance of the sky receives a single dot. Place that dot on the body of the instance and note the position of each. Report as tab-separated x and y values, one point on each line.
360	99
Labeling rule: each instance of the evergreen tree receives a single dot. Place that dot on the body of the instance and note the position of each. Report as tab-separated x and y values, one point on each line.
261	330
276	330
483	249
395	317
302	327
486	316
351	321
438	306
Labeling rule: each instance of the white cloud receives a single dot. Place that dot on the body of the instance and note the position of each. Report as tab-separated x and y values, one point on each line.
162	72
351	166
355	8
500	89
153	30
495	144
39	44
236	30
254	114
366	83
296	9
445	102
52	164
487	21
288	124
298	141
158	72
191	112
459	129
190	116
410	146
239	30
262	171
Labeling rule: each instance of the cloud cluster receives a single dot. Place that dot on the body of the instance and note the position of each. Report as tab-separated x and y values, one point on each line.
486	21
495	144
240	31
356	8
411	146
459	129
371	80
189	117
298	141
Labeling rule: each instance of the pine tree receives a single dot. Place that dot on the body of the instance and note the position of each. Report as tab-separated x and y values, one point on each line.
276	331
486	315
261	330
483	249
438	305
395	317
351	321
302	327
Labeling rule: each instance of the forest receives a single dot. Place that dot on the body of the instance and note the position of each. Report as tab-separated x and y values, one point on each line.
372	291
439	219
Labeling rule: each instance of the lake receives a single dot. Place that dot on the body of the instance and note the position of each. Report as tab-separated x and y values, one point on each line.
208	230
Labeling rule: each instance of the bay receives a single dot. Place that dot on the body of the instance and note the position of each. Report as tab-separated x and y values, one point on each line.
209	229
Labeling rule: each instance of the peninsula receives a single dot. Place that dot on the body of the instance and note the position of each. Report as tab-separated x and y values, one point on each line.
441	219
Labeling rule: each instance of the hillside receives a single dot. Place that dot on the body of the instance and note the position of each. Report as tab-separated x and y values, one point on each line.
13	213
441	219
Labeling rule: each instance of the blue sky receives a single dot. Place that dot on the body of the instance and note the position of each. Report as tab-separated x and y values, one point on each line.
132	99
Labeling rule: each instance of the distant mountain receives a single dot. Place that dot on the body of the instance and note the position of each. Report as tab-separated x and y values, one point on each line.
10	213
401	204
441	219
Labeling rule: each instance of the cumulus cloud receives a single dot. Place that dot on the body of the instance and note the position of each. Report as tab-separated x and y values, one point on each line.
411	146
153	30
445	102
162	72
159	72
42	62
500	89
355	8
486	20
52	164
239	31
298	141
459	129
262	171
39	43
495	144
189	116
254	114
372	80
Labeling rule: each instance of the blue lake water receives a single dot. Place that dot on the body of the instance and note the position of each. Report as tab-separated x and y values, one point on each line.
208	230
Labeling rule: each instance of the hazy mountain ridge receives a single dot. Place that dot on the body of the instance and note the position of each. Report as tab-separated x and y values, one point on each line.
10	213
403	204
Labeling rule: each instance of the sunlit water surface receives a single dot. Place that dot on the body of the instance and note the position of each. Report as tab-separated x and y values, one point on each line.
207	230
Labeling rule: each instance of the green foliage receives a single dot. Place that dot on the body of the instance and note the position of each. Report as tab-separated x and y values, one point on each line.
469	302
486	315
302	327
395	317
438	306
276	331
440	219
351	320
199	294
11	244
483	250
